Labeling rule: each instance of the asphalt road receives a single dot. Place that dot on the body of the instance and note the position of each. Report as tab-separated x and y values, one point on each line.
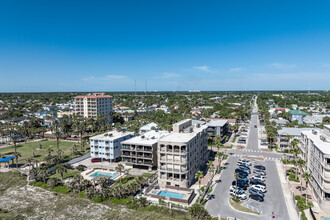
274	199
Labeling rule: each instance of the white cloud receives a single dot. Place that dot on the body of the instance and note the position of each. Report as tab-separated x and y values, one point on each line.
167	75
103	78
203	68
116	77
237	69
283	66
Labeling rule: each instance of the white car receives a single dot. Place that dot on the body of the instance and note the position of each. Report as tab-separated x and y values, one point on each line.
247	162
259	177
260	188
240	196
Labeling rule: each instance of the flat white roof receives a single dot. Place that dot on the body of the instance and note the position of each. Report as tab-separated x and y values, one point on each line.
147	139
315	138
183	137
112	135
149	126
217	123
294	131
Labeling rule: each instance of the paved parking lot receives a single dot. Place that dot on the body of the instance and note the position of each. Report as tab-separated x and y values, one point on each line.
274	199
110	166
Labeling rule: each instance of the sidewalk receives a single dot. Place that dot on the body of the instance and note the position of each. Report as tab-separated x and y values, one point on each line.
286	192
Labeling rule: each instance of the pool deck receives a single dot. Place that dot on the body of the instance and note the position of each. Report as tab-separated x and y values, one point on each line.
188	195
87	174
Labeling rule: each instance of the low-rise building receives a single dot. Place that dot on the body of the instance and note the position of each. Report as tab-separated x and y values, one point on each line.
141	151
108	145
297	115
148	127
217	128
181	154
286	135
315	150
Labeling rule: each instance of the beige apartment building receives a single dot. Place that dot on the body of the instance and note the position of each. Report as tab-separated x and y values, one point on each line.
181	154
315	150
141	151
92	105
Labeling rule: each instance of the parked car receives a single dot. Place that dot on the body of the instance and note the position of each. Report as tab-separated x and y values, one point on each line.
243	180
238	189
242	185
255	191
259	177
260	188
240	196
241	171
246	169
93	160
257	182
260	167
242	175
256	197
260	172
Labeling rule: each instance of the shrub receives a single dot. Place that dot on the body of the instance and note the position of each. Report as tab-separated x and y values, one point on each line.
81	168
82	194
236	199
61	189
198	211
39	184
98	199
120	201
301	203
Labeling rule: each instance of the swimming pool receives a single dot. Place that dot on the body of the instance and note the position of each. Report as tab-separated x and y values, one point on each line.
112	175
325	218
169	194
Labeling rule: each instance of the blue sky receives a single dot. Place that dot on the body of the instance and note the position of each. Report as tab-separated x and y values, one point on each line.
173	45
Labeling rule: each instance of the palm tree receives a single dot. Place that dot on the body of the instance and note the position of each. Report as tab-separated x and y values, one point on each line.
74	148
236	178
79	126
43	175
218	143
296	151
14	139
301	163
61	170
120	168
17	155
220	156
199	175
307	177
29	160
210	166
57	130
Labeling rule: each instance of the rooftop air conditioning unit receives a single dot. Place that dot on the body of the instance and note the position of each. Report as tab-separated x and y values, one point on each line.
314	132
142	136
153	137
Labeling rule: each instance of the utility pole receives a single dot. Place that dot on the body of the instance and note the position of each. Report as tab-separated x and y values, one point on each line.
135	87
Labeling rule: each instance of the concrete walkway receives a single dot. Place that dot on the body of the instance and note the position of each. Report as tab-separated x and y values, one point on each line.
287	192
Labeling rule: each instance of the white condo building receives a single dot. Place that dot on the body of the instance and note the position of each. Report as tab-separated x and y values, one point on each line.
181	154
92	105
108	145
315	150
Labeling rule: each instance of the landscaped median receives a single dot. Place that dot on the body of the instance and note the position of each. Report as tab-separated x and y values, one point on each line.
237	205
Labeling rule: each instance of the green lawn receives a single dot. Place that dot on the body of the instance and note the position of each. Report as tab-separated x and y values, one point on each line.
69	174
26	149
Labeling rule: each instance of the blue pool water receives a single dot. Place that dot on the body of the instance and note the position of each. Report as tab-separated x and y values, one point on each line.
170	194
112	175
325	218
